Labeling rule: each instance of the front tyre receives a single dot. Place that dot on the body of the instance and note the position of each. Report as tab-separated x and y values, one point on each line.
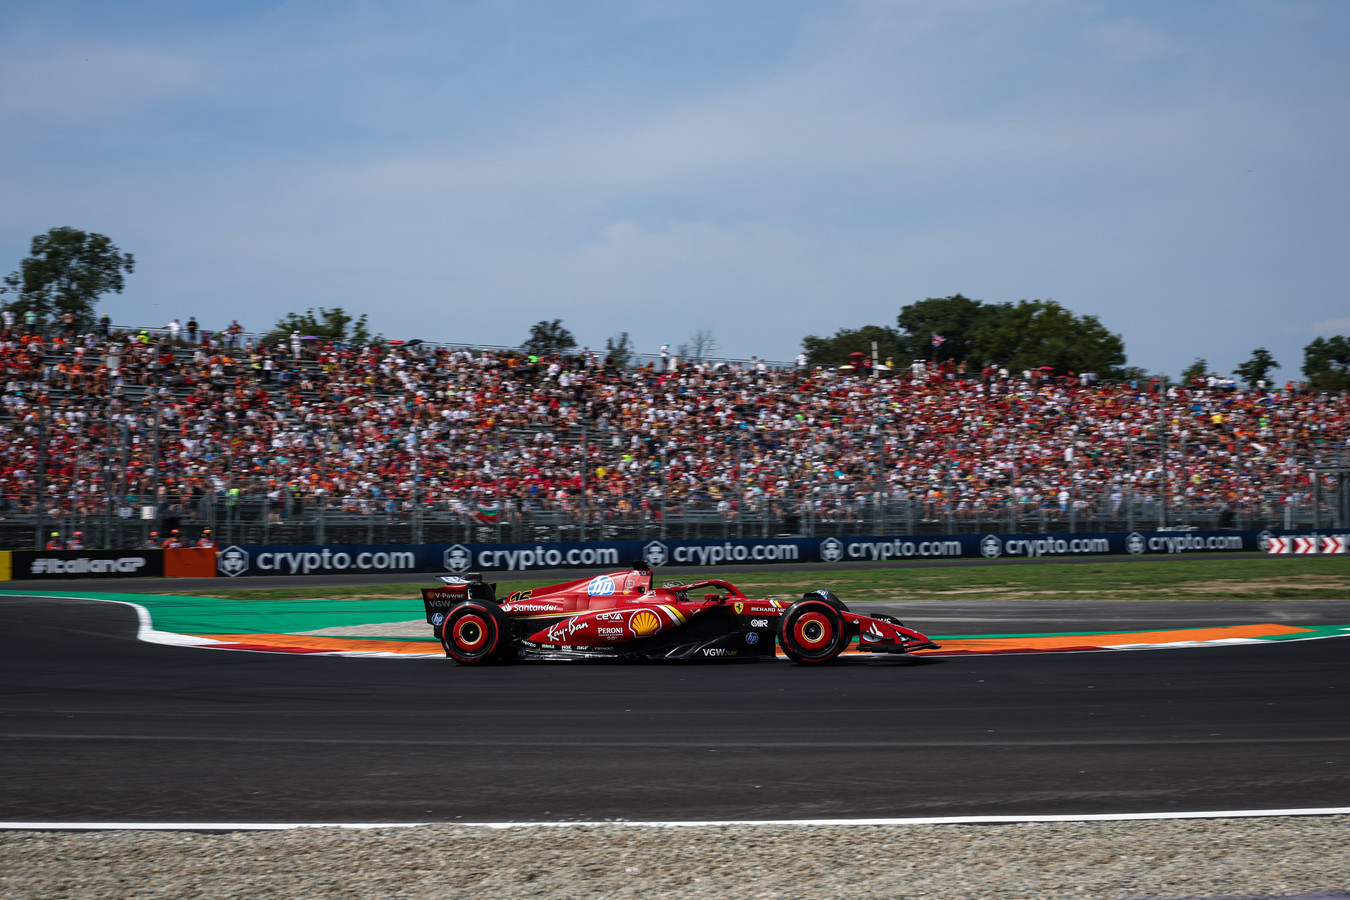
475	632
812	632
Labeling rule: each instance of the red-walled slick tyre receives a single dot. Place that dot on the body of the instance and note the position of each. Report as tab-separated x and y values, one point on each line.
475	632
812	632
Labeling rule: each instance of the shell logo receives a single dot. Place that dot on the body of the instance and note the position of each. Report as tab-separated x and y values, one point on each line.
644	622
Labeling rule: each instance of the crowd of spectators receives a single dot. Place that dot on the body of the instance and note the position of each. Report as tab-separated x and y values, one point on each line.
386	427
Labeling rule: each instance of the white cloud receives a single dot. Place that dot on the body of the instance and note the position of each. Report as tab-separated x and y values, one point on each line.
1331	327
1131	40
74	84
473	171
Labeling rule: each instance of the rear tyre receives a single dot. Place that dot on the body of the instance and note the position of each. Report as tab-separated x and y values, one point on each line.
475	632
812	632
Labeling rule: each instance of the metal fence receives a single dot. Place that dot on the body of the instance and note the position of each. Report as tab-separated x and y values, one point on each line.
260	519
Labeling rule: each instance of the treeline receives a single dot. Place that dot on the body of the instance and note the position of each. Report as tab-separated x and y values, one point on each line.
1031	334
68	270
1022	335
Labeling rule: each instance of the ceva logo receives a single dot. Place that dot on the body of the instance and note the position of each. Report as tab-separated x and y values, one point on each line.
232	561
458	558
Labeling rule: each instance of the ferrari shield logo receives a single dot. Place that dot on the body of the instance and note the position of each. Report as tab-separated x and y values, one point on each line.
739	607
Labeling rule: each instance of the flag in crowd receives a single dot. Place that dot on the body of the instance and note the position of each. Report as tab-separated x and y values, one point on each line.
938	339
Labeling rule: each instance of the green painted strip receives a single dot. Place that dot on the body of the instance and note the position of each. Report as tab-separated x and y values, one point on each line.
214	615
1314	631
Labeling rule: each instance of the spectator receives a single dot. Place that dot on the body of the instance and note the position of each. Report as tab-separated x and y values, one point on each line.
490	426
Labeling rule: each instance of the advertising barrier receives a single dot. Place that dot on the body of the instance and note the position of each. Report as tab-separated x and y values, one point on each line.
42	565
356	559
453	559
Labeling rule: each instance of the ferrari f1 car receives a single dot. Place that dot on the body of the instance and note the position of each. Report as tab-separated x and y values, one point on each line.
621	615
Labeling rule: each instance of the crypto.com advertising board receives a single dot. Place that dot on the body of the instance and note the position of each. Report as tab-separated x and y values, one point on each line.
357	559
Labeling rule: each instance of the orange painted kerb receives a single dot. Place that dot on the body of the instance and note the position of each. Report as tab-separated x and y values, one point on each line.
1117	639
311	644
292	643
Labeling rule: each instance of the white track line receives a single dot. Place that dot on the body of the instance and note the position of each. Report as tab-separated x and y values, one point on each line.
711	823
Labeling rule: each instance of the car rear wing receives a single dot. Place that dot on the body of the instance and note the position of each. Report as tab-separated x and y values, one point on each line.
454	591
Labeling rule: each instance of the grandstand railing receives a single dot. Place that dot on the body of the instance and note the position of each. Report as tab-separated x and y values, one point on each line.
259	519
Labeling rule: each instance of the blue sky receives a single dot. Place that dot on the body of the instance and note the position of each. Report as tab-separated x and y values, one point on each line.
766	170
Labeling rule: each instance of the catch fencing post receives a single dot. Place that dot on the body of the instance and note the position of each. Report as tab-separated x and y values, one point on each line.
1162	449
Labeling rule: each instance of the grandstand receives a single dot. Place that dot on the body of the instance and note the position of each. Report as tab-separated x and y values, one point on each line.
307	441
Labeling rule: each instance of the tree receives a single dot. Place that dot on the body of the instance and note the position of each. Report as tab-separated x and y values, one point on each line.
834	350
329	324
548	339
1257	368
1326	363
1028	334
619	350
702	345
67	270
1131	373
1035	333
1198	369
957	318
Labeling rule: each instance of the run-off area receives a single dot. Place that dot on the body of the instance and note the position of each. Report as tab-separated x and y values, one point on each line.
1216	858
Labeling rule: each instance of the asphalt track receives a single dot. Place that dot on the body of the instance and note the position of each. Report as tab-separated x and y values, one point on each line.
97	726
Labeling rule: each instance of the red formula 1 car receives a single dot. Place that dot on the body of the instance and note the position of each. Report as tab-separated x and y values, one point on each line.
621	616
